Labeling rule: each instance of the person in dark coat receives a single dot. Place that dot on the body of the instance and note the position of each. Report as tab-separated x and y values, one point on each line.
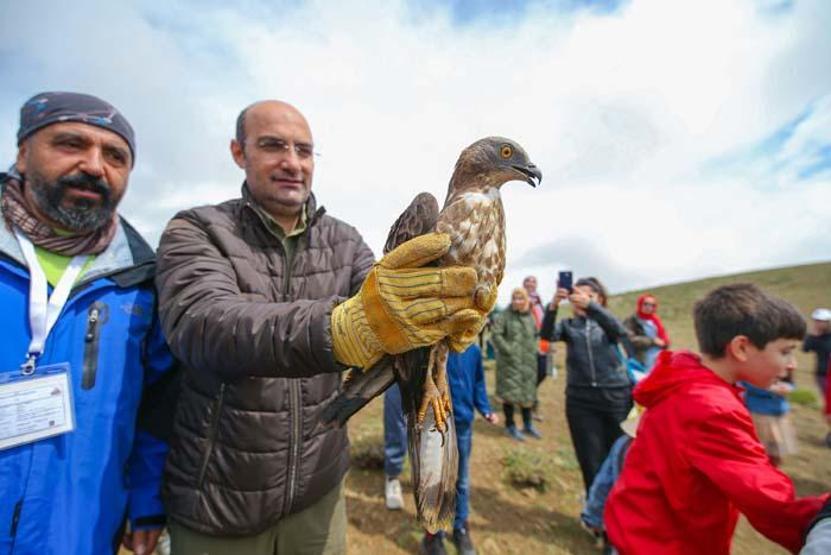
598	389
265	299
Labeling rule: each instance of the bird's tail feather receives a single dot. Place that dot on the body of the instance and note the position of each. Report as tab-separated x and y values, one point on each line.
435	465
358	390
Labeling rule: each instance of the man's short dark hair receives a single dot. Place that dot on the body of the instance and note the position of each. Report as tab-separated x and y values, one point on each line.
241	127
743	309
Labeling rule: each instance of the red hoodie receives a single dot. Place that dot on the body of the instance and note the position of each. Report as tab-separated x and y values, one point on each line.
695	464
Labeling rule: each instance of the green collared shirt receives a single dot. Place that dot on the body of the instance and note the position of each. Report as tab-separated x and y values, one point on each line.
288	240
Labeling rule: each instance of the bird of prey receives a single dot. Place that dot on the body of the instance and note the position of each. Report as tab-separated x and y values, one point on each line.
474	219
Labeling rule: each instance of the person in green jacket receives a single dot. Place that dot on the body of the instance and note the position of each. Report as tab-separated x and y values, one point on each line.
515	337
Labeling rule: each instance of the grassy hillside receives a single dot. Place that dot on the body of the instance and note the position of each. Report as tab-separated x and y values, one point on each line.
506	519
806	287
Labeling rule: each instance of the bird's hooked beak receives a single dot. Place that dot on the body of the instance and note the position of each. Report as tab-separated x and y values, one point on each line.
532	174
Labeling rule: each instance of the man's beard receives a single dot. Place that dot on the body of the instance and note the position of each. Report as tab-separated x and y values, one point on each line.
81	215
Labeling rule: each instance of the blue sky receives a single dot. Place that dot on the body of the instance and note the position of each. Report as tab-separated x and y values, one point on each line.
677	139
799	151
510	12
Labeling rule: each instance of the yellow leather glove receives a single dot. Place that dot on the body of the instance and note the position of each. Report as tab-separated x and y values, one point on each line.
402	305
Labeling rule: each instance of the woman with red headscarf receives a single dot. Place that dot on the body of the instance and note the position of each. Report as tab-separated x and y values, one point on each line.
646	331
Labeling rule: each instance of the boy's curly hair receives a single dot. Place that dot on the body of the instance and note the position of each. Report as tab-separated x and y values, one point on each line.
743	309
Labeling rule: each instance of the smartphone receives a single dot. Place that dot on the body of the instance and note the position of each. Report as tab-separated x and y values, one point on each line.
564	281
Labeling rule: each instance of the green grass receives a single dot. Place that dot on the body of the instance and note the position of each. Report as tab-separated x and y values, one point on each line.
804	397
524	468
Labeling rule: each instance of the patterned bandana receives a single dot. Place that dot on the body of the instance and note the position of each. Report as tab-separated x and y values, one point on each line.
18	212
57	107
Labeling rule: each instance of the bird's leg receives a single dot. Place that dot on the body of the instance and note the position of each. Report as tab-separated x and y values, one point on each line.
436	395
440	375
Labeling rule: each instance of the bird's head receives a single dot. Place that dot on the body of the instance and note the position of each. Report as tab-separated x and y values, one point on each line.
494	161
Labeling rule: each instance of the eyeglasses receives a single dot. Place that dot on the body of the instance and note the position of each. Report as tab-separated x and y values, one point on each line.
649	304
276	145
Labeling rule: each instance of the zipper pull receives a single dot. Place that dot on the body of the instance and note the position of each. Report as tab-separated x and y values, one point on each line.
92	322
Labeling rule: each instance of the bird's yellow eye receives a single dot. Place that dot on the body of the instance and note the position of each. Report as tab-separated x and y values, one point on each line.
506	151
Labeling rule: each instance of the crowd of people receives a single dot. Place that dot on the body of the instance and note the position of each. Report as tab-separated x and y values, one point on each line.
604	411
183	389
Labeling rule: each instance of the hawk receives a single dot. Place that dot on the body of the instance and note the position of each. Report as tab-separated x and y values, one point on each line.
474	220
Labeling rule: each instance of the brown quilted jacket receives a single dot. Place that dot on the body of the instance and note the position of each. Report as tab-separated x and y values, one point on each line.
253	336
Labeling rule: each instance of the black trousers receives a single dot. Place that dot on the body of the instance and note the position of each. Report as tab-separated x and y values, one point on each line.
542	363
508	409
594	416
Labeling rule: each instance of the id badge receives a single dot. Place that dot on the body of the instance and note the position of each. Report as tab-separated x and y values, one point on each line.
35	406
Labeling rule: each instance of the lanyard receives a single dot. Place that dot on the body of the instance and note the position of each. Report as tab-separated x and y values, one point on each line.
44	309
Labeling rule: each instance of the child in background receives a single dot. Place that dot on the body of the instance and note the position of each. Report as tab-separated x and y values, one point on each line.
769	409
467	389
592	515
697	461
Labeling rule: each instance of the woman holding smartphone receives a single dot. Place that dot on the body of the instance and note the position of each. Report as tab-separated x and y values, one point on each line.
598	390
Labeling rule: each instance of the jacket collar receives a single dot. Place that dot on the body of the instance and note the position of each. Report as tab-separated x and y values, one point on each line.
313	213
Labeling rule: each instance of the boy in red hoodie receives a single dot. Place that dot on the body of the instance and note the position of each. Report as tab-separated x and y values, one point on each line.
697	462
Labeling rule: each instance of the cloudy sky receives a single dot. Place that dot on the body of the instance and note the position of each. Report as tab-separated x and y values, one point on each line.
677	139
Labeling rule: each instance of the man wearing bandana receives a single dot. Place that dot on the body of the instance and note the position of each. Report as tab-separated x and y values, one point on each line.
83	490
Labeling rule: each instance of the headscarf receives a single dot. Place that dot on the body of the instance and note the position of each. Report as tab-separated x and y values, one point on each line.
654	318
59	107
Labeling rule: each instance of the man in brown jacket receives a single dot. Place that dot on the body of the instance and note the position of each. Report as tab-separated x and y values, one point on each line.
251	298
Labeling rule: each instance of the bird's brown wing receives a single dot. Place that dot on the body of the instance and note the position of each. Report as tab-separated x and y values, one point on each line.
419	218
361	386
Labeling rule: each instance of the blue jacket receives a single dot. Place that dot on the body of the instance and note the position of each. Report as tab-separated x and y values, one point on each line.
603	483
467	385
71	493
764	401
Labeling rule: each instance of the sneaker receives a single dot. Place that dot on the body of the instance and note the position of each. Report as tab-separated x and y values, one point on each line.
163	545
392	494
532	431
462	541
432	544
514	433
596	534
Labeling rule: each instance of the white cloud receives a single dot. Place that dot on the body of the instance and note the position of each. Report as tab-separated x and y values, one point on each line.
619	111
